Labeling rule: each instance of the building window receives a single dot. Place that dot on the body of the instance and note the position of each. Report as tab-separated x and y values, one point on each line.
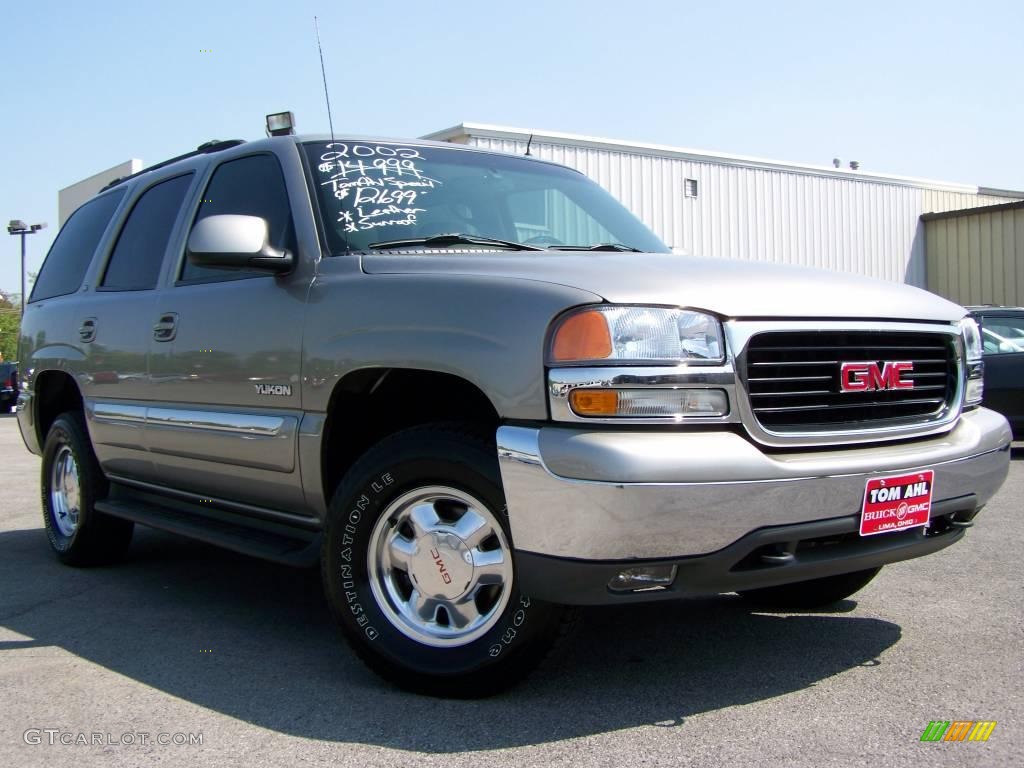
690	187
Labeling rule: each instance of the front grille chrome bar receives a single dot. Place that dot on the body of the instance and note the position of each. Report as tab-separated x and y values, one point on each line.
788	380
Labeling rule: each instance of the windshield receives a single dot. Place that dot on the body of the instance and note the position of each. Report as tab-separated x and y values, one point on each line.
375	193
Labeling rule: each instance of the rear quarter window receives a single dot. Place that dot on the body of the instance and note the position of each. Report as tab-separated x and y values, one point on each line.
76	244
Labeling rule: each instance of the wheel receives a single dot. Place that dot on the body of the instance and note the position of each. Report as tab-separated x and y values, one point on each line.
816	593
418	568
72	482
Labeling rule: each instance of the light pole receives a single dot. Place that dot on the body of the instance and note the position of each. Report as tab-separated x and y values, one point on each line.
17	227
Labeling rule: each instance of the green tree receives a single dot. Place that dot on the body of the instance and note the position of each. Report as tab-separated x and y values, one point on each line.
10	324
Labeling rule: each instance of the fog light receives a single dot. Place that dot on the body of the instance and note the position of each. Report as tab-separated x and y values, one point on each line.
643	577
649	403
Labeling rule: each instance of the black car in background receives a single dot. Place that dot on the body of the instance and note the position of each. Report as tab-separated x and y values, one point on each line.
8	386
1002	333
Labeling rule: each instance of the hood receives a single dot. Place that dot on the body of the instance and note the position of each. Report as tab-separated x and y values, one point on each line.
732	289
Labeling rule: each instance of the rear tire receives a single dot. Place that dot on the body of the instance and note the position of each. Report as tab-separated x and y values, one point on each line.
418	569
72	482
817	593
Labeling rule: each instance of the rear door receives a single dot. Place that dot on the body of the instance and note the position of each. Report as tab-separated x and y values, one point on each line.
115	326
226	369
54	335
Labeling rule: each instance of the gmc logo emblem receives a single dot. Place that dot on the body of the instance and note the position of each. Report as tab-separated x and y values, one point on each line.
868	377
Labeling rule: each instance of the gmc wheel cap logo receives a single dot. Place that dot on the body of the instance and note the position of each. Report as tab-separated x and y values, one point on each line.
869	376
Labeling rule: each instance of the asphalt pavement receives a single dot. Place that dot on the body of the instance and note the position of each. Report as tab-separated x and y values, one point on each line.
185	643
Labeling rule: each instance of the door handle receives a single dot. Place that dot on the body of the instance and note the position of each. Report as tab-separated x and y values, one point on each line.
87	330
166	327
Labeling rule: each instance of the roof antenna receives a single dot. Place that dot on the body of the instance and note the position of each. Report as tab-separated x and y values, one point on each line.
528	143
323	72
327	98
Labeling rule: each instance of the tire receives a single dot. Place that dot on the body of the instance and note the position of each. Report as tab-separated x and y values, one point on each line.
417	527
72	482
817	593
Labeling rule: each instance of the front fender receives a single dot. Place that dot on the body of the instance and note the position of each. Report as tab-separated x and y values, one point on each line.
489	331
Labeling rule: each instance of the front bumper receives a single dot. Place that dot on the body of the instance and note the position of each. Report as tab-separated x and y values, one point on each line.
26	422
607	497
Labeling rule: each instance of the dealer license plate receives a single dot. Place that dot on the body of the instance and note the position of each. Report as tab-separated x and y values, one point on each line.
896	503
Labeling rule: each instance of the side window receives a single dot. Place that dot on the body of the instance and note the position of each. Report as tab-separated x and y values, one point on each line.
135	263
71	252
1003	335
251	186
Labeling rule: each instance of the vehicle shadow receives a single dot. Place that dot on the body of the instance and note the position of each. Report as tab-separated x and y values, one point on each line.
253	640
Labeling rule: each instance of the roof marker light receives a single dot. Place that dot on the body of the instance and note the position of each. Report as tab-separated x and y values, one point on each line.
281	124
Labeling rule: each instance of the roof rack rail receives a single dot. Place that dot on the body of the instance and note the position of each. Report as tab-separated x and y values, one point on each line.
203	149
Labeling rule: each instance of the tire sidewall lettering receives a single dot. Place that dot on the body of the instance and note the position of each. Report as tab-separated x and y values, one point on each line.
509	635
348	583
363	512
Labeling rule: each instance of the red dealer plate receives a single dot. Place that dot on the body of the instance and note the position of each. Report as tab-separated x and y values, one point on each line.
896	503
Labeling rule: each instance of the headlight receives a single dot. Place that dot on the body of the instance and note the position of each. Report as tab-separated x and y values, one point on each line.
973	358
637	335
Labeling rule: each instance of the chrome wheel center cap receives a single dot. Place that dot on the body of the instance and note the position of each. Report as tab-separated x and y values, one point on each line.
65	492
442	566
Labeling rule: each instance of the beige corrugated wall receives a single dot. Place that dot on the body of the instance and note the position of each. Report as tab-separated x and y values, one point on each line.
977	258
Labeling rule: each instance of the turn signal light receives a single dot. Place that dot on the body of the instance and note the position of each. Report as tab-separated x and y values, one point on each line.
594	402
583	336
678	404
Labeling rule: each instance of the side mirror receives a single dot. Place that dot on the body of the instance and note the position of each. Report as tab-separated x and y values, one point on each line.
230	241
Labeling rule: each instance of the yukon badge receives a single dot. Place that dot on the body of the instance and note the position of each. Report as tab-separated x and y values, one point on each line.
869	376
273	389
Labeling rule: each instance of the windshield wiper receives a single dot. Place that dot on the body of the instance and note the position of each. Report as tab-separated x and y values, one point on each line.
454	238
599	247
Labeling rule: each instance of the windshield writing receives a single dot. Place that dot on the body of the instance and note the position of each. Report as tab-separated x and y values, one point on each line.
373	192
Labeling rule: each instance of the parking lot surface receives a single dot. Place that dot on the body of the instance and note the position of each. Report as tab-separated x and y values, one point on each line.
184	642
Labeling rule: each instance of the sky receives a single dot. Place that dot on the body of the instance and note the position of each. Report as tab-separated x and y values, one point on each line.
929	89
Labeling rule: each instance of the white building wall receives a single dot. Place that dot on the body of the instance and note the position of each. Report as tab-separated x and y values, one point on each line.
71	198
755	209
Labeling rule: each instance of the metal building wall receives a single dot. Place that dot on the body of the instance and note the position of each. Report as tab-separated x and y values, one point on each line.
821	218
977	258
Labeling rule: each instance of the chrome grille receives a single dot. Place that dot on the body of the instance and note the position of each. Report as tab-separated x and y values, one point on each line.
793	379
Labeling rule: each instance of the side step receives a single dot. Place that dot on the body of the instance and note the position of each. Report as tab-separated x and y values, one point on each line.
270	542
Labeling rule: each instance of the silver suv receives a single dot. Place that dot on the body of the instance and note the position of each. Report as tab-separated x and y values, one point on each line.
476	390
